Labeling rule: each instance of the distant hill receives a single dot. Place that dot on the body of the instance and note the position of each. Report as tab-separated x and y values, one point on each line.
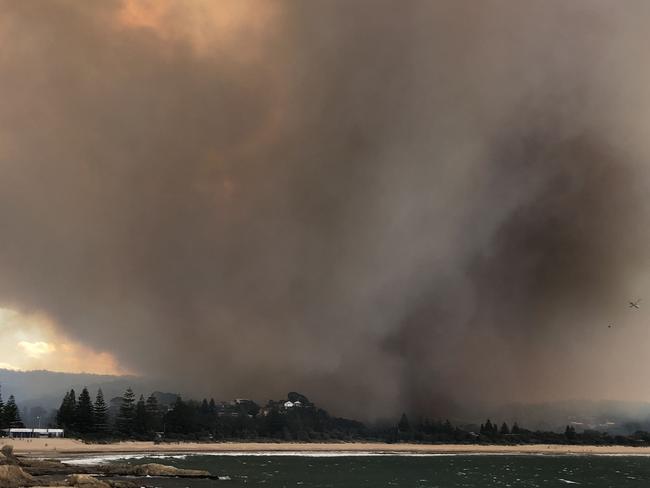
45	389
38	393
165	399
616	417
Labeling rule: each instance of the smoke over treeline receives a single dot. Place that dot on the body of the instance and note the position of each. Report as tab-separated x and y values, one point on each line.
387	205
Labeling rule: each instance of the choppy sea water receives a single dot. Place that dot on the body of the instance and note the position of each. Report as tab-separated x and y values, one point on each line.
371	470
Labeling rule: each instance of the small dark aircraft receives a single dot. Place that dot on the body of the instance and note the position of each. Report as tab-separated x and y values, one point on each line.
635	304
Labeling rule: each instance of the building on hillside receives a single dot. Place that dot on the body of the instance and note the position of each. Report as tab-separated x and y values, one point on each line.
16	432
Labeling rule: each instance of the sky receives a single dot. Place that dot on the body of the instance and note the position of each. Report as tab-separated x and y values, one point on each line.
426	206
33	342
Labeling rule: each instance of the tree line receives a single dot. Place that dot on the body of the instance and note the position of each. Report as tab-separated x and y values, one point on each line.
81	415
9	413
204	420
292	419
431	432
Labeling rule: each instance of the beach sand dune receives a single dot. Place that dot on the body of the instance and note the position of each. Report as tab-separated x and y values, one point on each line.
56	447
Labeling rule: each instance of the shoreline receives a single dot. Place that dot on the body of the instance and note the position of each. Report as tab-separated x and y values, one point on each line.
53	448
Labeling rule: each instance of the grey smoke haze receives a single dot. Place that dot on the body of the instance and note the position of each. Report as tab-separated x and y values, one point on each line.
388	205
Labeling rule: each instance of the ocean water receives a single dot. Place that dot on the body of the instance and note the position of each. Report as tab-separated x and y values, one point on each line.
365	470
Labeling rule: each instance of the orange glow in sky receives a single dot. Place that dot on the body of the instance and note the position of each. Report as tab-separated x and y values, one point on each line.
143	13
226	27
31	341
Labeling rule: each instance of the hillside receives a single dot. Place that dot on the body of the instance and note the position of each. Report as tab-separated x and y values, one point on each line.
46	388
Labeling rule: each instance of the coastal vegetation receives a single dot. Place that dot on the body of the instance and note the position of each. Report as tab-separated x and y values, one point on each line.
165	416
295	418
9	413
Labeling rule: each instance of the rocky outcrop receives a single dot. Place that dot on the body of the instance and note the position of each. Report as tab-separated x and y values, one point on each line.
18	472
41	467
14	477
154	469
52	468
86	481
8	456
123	484
151	469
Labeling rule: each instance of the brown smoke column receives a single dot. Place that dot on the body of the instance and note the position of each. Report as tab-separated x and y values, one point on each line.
384	204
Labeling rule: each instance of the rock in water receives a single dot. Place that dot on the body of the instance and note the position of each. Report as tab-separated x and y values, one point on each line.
122	484
40	467
86	481
154	469
12	476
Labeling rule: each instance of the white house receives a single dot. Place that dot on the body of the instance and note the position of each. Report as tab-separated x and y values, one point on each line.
290	404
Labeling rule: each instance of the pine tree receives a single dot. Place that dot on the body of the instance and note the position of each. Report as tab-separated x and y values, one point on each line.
126	414
489	429
404	425
515	429
100	413
11	413
2	417
153	414
275	422
84	422
61	418
504	429
570	432
72	406
205	408
65	417
140	417
178	419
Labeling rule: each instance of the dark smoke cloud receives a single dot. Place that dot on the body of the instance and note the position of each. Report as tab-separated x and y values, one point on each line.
387	205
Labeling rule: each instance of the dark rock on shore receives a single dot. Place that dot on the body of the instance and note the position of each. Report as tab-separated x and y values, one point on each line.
151	469
86	481
123	484
17	472
39	467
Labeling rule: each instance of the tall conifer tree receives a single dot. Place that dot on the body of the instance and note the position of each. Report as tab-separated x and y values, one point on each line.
11	413
140	417
65	417
154	415
84	422
2	409
100	412
404	425
126	414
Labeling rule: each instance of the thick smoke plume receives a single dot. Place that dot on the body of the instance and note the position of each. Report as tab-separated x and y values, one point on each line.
387	205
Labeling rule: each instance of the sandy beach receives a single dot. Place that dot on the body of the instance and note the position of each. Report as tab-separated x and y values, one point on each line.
63	447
